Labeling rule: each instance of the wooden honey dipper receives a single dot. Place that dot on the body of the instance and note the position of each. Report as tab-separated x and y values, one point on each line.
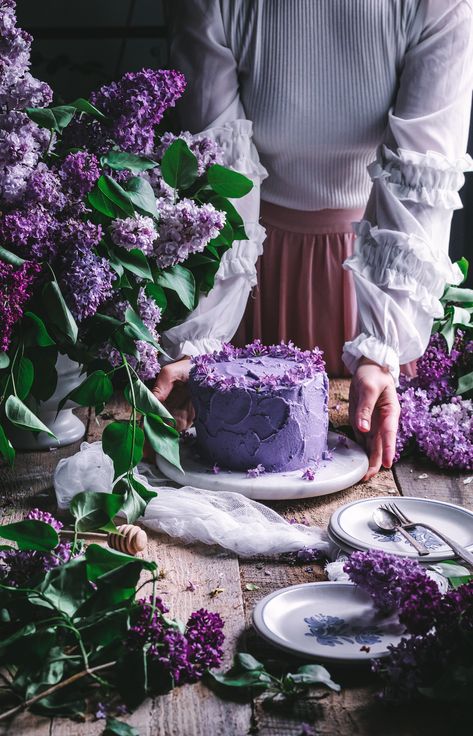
128	538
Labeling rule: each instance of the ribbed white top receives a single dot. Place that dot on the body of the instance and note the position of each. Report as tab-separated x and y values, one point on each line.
341	61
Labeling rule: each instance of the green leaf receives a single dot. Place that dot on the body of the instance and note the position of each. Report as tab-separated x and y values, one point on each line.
95	391
102	203
7	257
119	728
180	280
101	561
460	316
179	166
463	266
125	343
66	587
157	293
17	636
83	105
22	417
117	443
58	312
458	295
233	216
52	118
23	374
135	261
145	401
448	331
137	497
38	330
163	439
251	586
142	195
255	678
138	328
245	661
45	374
31	534
228	183
114	192
93	510
4	360
465	383
6	448
314	674
132	677
122	160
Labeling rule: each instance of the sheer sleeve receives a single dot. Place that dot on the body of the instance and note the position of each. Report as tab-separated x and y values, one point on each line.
211	106
401	264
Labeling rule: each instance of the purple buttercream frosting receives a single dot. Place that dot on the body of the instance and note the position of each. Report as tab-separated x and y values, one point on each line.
261	405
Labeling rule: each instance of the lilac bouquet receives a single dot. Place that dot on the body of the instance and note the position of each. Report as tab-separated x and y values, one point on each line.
111	229
434	659
436	406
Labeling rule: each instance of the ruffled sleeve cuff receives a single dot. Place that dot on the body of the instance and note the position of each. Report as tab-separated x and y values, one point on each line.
430	179
368	346
235	139
241	259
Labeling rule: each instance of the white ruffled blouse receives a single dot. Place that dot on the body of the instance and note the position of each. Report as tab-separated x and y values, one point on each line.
345	105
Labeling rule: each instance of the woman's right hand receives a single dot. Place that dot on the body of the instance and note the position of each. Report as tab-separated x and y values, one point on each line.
172	390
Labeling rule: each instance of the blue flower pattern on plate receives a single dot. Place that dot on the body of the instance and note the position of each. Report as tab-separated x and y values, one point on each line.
331	630
421	535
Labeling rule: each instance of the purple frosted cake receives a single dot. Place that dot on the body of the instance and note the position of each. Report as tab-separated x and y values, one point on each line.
261	407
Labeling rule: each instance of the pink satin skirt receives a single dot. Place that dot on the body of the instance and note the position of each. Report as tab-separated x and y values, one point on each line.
303	293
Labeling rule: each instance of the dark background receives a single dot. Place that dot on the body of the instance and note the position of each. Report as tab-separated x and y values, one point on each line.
80	44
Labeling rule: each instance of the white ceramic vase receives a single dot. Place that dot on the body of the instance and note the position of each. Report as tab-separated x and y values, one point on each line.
66	426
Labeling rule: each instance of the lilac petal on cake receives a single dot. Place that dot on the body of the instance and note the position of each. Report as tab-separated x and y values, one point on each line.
261	405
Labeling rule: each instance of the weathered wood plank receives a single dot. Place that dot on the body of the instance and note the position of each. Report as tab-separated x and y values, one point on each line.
417	476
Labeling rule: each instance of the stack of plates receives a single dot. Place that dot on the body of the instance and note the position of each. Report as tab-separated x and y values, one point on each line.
351	527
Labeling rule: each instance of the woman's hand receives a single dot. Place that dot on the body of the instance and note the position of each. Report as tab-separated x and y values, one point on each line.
374	413
171	389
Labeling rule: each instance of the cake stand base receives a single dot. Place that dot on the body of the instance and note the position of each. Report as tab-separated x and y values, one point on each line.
348	466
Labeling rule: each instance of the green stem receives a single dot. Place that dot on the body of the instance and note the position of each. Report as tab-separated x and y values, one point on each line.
132	416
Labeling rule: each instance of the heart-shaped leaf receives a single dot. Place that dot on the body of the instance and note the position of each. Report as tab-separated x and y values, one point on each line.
117	443
120	160
93	510
83	105
145	401
22	417
52	118
180	280
179	166
58	312
37	328
163	439
95	391
142	195
31	534
228	183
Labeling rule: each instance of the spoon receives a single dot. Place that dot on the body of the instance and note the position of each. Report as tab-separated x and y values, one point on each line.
388	522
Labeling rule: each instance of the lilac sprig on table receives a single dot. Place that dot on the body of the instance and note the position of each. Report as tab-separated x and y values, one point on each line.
436	408
111	230
76	608
434	658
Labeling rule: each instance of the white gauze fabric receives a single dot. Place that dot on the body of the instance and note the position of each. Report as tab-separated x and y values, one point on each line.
230	520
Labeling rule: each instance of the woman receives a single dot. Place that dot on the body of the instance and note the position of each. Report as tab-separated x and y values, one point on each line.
331	87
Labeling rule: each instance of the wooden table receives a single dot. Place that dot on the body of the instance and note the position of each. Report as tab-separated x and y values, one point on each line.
194	710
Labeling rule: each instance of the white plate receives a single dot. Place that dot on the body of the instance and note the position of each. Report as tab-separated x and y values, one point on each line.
326	621
348	466
351	526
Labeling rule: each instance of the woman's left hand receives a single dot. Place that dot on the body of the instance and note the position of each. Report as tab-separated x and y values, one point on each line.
374	413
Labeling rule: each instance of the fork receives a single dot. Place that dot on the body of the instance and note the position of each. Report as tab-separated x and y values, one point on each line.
405	522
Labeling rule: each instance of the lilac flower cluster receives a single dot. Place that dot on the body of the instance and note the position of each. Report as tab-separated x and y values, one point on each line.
441	625
22	143
309	473
136	105
307	364
15	290
185	228
184	656
432	418
206	150
79	172
256	472
134	232
20	568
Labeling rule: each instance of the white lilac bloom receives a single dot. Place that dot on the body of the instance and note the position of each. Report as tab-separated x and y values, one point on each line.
184	228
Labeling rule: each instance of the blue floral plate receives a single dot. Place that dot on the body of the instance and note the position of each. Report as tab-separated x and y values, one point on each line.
326	621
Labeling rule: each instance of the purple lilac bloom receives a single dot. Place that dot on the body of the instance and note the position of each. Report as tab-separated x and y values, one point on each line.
389	579
136	104
15	290
205	638
206	150
415	404
30	232
162	191
22	143
134	232
308	554
436	369
184	228
309	474
79	172
447	437
46	517
256	472
86	283
44	187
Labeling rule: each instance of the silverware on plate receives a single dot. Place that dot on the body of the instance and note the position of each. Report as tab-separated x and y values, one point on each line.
406	523
388	521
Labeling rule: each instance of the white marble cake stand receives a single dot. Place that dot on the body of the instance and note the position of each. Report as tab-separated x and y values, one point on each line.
348	466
